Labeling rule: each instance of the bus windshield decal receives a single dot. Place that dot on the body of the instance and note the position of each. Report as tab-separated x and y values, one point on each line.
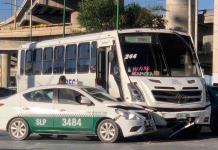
140	71
138	39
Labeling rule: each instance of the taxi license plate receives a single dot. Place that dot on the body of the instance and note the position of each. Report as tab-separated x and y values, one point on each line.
182	116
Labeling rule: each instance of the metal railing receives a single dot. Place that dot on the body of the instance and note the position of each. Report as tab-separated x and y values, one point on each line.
34	27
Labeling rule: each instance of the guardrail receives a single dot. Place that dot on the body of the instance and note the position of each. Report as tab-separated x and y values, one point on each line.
33	27
40	30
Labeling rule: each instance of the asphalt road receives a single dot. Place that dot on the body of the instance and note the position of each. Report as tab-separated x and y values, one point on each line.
205	141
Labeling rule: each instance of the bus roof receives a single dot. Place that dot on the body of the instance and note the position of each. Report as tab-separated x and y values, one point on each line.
93	36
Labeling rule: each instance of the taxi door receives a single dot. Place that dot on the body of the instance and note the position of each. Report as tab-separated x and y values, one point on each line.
37	109
71	115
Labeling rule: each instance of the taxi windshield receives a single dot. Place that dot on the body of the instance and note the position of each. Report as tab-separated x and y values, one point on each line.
99	95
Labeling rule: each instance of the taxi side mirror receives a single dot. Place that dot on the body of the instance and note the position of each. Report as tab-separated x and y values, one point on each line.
85	101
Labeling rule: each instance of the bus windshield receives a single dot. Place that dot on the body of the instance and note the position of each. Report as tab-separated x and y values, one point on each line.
158	54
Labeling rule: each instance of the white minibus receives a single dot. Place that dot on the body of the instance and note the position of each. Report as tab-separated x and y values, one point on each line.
155	68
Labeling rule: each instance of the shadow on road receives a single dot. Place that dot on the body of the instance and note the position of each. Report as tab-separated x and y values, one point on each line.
161	136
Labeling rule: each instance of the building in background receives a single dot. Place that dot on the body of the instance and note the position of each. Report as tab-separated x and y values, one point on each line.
205	40
180	15
208	45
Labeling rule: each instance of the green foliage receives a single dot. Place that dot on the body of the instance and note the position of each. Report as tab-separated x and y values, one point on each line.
100	15
97	15
138	17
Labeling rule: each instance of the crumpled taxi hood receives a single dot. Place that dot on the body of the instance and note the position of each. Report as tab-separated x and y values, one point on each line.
123	105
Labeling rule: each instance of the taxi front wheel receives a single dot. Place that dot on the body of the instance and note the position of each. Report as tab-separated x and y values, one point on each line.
18	129
108	131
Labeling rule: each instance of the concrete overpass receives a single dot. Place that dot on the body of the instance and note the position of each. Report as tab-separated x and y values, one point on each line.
47	23
43	12
47	17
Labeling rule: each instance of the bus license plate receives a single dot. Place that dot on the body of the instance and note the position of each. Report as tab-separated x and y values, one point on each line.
182	116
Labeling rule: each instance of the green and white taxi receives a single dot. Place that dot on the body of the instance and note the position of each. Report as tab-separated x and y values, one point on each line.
65	109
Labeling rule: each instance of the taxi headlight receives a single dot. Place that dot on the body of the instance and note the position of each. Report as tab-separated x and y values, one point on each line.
127	115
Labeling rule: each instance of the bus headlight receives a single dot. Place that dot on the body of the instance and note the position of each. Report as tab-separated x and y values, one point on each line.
135	92
127	115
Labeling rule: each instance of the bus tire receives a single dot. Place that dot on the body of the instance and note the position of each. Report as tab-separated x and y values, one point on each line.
214	125
108	131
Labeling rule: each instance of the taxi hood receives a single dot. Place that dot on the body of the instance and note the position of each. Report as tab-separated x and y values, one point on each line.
123	105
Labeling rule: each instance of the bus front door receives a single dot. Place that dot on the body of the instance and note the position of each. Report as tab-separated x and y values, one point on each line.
102	68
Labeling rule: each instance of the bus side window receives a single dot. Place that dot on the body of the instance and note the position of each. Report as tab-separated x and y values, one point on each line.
93	57
83	58
28	62
70	59
37	61
58	65
114	65
22	62
47	60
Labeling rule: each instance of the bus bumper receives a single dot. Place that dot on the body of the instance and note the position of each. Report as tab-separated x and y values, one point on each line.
199	117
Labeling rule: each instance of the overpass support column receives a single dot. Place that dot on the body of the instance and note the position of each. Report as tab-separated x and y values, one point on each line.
4	70
74	20
215	44
181	15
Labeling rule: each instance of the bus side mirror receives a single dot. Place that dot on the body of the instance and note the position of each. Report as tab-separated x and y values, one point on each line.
111	56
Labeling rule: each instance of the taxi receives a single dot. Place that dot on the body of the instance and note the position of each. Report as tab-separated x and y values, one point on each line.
65	109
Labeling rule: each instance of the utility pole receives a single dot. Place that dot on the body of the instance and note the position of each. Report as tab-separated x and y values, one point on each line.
190	17
215	44
15	14
196	25
11	6
31	7
64	18
118	14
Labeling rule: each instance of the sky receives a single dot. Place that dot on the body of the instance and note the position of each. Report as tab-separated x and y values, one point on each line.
5	9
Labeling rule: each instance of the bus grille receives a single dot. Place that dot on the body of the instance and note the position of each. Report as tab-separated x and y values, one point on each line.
178	97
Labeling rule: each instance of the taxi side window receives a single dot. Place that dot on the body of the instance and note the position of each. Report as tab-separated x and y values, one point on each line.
68	96
44	96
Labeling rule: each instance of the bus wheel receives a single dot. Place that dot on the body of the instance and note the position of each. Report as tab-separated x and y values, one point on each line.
214	125
107	131
18	129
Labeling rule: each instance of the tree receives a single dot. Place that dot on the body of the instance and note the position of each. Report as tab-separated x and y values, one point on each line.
97	15
100	15
136	16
